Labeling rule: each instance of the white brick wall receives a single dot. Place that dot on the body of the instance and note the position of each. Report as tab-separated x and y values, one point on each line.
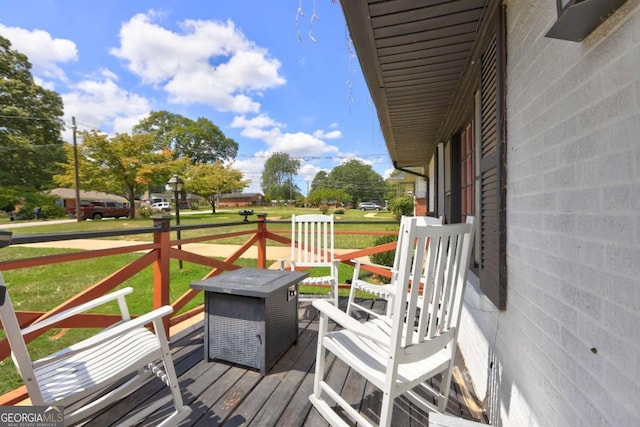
568	345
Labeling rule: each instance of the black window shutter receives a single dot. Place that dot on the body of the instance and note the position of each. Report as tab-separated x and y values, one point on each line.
492	231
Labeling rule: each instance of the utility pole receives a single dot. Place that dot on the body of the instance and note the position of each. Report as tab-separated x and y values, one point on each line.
75	169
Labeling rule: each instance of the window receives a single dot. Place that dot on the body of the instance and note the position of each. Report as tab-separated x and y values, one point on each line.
466	170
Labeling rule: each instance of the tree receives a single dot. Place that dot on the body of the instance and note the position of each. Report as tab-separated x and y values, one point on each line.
358	179
31	146
401	205
326	195
395	185
200	140
213	179
9	198
277	177
123	165
319	181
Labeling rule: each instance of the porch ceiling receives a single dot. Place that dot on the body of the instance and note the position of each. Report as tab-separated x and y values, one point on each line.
413	54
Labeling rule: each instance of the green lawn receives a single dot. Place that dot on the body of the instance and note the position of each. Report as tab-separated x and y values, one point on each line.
226	216
42	288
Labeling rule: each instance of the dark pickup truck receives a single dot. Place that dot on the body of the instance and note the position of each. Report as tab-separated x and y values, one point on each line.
101	209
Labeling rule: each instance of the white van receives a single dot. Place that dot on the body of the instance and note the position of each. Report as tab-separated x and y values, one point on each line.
161	206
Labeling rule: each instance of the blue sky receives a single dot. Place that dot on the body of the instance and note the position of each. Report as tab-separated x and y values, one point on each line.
276	76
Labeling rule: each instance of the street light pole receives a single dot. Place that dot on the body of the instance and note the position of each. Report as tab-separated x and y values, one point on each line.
76	175
175	183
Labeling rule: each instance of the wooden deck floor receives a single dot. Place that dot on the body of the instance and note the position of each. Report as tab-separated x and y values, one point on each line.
231	395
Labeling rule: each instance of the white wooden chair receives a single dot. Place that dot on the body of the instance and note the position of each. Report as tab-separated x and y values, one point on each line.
123	356
382	291
400	353
312	247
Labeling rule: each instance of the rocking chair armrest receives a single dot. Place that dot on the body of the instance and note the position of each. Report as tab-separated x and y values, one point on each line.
347	322
76	310
359	262
110	333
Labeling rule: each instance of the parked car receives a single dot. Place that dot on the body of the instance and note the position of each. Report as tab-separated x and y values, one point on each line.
98	209
161	206
370	206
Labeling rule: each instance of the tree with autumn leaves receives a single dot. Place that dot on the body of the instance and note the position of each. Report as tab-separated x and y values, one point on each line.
160	145
123	164
210	180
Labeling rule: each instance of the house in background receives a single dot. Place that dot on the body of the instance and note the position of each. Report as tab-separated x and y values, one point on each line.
413	181
235	200
188	200
66	197
526	114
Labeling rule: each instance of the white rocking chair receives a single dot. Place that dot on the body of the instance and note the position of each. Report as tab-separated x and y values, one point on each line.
398	354
385	292
312	247
98	363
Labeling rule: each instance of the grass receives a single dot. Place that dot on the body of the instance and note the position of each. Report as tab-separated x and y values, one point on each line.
41	288
226	216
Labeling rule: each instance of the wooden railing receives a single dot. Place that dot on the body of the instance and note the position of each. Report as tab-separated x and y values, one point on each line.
158	255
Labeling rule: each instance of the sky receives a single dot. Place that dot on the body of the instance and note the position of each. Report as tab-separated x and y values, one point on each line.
274	75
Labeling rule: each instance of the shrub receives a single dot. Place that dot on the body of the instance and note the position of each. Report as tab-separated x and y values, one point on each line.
144	211
384	258
339	211
48	208
400	206
324	208
52	211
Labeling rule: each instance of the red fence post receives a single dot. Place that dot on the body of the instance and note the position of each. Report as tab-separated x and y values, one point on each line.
161	269
262	240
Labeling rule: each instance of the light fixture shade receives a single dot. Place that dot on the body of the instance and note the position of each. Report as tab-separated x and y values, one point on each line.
175	183
578	18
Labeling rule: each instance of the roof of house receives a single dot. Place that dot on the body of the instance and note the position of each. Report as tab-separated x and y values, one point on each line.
70	193
413	56
239	195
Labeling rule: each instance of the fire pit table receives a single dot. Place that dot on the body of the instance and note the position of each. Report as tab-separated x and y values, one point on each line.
251	315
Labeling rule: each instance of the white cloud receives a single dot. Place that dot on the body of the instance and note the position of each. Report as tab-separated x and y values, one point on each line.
298	144
309	170
260	121
260	127
334	134
251	170
44	52
346	157
102	103
209	62
387	173
301	144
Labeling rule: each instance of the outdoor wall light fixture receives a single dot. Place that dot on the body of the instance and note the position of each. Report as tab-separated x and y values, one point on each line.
176	184
578	18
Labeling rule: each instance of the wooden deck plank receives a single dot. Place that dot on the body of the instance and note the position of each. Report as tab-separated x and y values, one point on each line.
224	408
289	387
187	352
220	393
264	392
